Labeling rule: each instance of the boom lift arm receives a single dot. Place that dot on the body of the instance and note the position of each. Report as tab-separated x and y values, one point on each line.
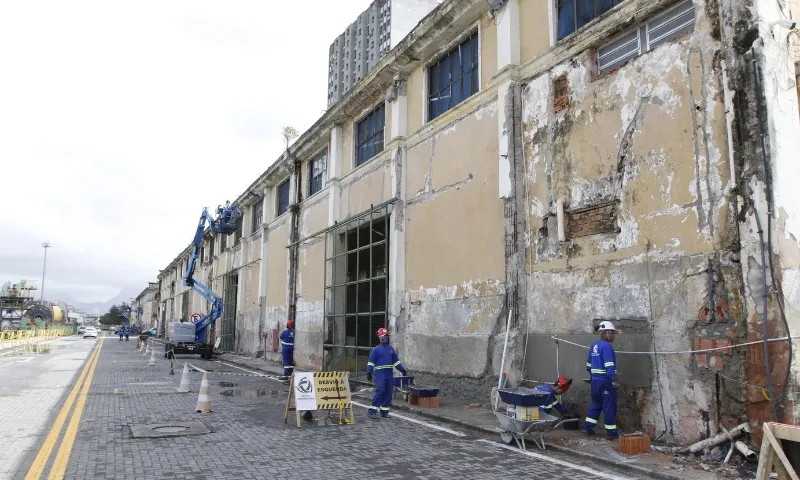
226	223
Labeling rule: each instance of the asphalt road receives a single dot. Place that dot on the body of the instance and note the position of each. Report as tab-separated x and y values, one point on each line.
78	412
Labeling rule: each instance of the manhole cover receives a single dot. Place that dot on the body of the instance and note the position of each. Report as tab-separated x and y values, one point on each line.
161	430
170	429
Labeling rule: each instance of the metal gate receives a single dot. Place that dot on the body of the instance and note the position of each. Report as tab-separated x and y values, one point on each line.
230	292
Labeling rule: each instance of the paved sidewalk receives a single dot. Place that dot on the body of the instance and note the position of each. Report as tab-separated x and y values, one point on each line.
482	420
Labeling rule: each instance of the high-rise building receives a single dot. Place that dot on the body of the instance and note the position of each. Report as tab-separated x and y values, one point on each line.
374	33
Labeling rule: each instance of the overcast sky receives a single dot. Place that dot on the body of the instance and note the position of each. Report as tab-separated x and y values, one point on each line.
121	120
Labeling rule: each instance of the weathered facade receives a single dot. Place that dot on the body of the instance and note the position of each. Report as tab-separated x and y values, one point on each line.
145	306
517	161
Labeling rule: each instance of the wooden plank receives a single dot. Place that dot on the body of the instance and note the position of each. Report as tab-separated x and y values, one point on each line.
782	431
778	449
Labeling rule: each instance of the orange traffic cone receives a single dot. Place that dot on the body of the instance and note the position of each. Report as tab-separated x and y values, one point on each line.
203	400
186	385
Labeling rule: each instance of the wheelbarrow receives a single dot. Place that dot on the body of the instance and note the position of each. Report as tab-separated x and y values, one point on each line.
516	430
402	384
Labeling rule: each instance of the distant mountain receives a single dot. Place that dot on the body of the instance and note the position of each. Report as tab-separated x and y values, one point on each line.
124	296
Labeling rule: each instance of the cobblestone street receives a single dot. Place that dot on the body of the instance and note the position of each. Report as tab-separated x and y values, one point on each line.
248	438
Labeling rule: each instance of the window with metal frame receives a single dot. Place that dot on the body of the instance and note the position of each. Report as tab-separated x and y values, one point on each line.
369	135
356	289
317	171
574	14
454	78
223	242
258	215
666	26
211	249
282	198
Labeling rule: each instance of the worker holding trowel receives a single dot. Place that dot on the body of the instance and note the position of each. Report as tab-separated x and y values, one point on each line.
601	363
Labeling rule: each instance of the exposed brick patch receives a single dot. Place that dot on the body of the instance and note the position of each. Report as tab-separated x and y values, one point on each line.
593	220
560	93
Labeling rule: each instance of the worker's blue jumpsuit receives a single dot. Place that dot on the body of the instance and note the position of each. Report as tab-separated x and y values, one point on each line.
601	363
382	361
287	351
551	402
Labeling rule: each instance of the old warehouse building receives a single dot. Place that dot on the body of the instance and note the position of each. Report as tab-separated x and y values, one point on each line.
562	165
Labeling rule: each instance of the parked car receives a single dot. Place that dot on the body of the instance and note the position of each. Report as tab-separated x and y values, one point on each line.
81	330
90	332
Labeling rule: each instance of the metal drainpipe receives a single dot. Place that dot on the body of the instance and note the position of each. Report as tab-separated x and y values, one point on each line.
293	238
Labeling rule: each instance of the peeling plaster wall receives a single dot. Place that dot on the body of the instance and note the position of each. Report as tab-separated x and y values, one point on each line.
311	284
454	254
650	136
369	184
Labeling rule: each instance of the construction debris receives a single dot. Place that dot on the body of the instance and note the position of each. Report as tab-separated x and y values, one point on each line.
718	439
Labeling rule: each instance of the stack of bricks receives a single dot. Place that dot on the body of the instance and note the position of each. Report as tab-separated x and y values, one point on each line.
592	221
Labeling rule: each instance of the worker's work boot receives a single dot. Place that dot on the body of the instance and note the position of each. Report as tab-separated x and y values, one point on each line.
373	416
589	432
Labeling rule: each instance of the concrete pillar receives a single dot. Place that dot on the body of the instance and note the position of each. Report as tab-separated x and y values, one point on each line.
335	157
508	54
399	110
508	44
262	272
397	240
503	137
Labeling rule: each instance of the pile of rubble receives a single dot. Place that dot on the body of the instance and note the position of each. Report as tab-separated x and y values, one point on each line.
725	454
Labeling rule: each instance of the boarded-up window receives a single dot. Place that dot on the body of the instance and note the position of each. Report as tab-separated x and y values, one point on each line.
593	220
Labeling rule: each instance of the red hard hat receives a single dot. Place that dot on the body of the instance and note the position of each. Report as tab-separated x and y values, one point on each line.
564	383
290	324
382	332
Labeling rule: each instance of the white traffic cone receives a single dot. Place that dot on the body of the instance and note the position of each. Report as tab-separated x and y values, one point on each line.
152	359
203	400
186	385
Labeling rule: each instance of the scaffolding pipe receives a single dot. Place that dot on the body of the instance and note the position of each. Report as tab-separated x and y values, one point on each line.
503	361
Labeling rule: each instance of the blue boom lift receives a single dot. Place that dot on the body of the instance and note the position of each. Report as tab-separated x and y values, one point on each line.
181	337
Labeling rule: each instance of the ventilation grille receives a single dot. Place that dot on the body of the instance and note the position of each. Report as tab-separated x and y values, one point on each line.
671	24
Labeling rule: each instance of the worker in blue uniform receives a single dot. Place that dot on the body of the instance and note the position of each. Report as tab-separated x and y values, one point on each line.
601	363
287	349
560	386
382	362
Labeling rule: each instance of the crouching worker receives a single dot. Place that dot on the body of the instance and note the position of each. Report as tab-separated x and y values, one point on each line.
560	386
382	362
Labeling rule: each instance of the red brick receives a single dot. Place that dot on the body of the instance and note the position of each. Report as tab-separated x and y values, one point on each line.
634	444
429	402
716	363
413	400
730	333
724	342
702	359
706	343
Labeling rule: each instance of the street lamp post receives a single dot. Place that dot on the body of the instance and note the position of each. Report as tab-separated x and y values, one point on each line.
45	245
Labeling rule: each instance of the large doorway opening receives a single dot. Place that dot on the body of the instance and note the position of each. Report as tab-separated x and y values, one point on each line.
229	295
356	290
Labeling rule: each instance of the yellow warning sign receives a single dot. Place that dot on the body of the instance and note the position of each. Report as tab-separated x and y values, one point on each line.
311	391
330	391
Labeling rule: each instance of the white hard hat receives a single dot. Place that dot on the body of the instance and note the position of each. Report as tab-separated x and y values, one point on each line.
606	326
